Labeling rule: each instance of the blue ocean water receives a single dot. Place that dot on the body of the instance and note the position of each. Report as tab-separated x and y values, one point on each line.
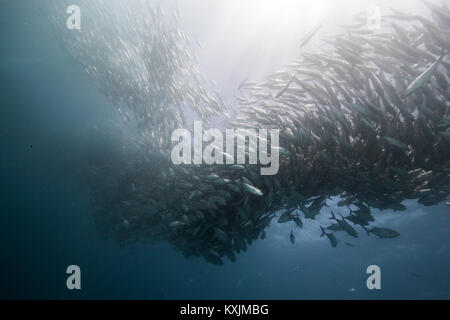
49	111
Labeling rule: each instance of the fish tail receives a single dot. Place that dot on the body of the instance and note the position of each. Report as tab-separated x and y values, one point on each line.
333	216
323	231
367	230
444	53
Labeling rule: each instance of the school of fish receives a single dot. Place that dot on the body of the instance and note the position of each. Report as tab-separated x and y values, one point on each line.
364	118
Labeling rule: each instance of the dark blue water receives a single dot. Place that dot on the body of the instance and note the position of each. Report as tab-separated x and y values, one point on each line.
50	112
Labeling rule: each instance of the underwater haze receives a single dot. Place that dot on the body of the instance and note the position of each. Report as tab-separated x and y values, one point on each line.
56	122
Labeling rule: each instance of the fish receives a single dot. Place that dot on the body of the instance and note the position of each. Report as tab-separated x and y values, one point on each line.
345	226
384	232
176	224
304	41
212	258
242	84
394	142
251	189
335	227
351	245
357	220
422	78
292	237
221	235
330	237
126	223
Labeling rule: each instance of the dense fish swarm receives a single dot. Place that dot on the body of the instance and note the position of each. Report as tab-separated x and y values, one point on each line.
365	118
